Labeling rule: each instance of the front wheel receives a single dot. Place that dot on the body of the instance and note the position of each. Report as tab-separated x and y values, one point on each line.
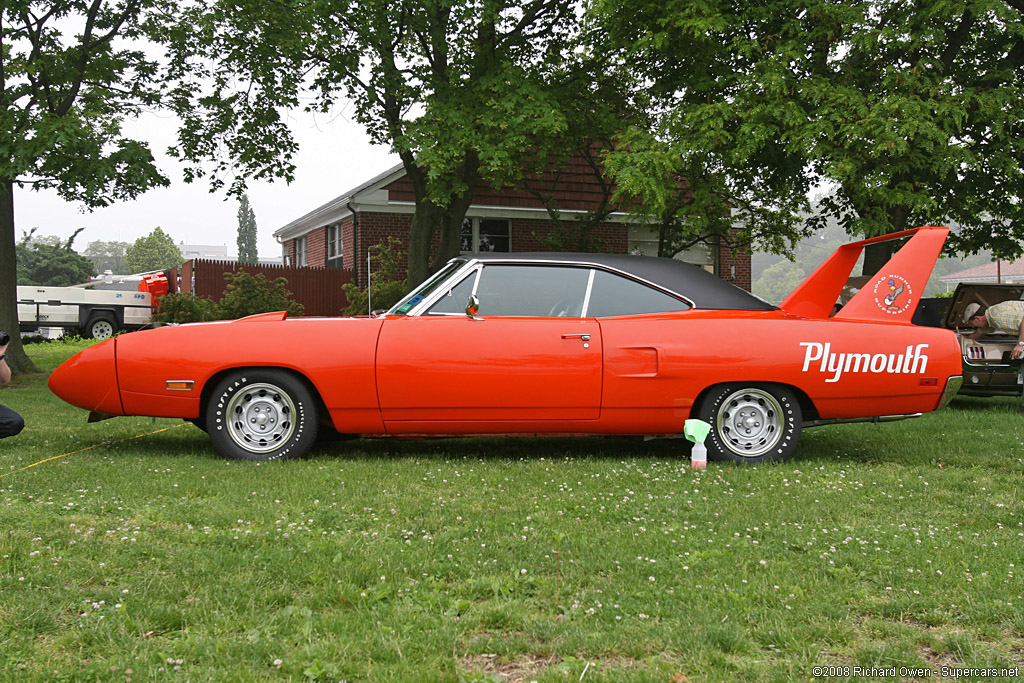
751	423
261	414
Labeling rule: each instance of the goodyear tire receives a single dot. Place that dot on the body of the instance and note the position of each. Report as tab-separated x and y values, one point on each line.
751	423
261	414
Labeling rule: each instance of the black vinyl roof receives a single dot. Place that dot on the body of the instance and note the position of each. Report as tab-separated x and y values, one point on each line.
692	283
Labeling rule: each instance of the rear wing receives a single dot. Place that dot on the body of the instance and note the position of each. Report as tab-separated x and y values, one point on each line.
891	294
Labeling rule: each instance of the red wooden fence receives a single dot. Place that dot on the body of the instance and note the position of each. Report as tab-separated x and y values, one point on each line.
317	289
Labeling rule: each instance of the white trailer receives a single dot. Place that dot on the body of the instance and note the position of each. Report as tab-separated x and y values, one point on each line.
96	313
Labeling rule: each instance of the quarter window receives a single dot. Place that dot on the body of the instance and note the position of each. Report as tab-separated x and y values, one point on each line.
614	295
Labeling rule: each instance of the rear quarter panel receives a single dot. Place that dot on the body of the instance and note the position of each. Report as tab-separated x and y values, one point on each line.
847	368
334	354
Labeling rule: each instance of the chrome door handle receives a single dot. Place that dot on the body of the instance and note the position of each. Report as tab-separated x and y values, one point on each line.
584	337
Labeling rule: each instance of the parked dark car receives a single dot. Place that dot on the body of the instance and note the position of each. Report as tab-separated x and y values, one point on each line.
988	370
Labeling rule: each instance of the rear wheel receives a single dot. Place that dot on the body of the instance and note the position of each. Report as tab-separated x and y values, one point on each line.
261	414
751	423
101	326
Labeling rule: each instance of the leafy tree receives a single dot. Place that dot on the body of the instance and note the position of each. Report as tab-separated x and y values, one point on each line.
777	281
107	255
699	167
247	252
386	285
251	294
912	112
460	91
605	100
69	76
155	251
49	262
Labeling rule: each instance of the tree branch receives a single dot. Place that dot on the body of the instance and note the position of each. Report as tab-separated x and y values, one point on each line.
957	39
89	47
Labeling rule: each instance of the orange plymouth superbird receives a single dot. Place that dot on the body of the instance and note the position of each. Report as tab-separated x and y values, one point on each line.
506	344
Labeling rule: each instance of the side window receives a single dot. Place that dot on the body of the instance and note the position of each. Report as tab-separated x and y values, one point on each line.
546	291
454	300
615	295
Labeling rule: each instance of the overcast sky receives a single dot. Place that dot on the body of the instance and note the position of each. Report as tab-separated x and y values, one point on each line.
334	156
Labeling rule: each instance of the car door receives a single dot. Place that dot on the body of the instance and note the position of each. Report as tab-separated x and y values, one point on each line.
525	357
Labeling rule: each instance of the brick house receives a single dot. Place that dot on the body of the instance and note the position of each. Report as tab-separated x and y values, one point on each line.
338	233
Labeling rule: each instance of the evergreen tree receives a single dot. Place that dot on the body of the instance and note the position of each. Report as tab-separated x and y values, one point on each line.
247	252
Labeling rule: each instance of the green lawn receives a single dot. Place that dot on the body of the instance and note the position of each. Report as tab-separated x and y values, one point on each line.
147	557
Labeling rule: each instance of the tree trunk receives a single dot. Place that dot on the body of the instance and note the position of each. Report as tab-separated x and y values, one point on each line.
876	256
17	360
425	222
450	244
431	217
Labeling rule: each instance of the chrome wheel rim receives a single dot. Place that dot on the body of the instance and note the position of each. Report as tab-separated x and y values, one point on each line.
102	330
260	418
750	422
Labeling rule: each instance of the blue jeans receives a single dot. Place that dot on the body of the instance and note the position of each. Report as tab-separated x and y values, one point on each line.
10	422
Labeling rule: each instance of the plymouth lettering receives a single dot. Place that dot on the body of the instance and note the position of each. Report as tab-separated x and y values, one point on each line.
912	361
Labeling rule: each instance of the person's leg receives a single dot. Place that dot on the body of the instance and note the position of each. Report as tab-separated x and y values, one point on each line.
10	422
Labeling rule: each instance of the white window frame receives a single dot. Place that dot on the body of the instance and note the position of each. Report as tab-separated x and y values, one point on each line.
302	252
475	222
334	242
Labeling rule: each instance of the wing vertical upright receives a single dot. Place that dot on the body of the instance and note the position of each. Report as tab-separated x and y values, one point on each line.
891	294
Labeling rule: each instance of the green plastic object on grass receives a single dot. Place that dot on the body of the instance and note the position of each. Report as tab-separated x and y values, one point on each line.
696	430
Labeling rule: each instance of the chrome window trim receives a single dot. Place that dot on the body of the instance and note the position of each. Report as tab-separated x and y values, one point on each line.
455	278
586	297
472	263
599	266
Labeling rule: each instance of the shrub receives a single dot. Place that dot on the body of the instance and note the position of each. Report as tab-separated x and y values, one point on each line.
251	294
386	285
186	308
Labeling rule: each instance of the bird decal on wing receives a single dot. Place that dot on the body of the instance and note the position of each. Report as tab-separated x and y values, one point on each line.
894	293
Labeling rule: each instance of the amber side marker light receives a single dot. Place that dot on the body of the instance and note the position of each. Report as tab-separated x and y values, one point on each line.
180	385
929	382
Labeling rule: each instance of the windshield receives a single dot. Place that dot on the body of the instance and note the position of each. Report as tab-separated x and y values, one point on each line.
417	295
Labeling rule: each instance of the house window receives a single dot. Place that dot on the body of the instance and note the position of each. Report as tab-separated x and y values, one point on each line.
486	234
334	249
643	241
301	259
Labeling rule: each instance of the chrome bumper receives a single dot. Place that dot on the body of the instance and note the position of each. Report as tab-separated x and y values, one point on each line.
953	385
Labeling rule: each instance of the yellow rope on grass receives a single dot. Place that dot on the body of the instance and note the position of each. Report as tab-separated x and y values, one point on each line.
89	448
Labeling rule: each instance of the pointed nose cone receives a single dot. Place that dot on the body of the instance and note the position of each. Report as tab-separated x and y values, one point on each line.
89	380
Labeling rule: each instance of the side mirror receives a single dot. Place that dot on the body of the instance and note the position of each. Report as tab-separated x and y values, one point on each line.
472	307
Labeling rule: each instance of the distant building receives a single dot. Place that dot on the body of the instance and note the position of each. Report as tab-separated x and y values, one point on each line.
216	252
1007	272
219	252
